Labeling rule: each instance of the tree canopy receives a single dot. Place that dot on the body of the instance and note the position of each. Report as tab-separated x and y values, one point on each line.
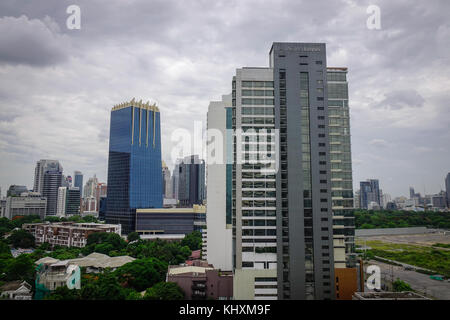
193	240
369	219
141	274
164	291
21	239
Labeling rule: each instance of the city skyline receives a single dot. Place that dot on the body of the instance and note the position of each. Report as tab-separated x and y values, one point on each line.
70	80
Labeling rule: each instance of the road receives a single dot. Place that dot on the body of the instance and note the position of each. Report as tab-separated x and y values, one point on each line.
418	281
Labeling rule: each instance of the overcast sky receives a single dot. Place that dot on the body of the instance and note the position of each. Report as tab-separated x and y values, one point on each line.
57	86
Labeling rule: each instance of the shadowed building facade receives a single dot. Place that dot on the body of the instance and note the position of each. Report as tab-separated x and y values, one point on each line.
134	164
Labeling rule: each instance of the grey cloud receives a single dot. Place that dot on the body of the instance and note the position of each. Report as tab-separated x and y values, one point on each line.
31	42
399	99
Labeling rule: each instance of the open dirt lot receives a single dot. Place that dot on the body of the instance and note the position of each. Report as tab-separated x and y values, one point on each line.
427	239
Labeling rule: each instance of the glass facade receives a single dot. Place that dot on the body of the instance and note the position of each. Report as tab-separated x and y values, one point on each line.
134	165
341	162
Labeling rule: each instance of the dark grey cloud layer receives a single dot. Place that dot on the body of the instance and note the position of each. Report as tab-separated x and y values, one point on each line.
57	85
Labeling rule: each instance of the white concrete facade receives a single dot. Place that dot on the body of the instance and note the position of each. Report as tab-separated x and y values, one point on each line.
219	234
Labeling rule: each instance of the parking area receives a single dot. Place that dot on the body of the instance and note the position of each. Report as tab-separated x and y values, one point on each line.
418	281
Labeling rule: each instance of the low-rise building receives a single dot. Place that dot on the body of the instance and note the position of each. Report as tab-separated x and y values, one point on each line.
16	290
170	220
67	234
97	262
94	263
201	281
53	273
26	204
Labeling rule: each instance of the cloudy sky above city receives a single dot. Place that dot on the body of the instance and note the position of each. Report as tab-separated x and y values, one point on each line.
57	85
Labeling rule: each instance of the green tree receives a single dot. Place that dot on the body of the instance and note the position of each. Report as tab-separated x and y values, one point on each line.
64	293
400	286
193	240
104	242
52	219
89	218
104	286
133	236
142	273
20	268
21	239
164	291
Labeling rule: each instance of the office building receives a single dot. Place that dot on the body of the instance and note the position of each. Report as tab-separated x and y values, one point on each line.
447	189
219	196
167	182
439	201
102	208
47	180
369	192
170	221
15	190
78	181
67	234
191	181
134	164
282	219
26	204
68	201
341	166
175	180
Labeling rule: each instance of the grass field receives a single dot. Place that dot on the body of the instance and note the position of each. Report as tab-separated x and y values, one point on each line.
421	256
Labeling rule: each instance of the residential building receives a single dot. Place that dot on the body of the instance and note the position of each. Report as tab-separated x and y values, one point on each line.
170	221
52	273
357	197
90	204
100	191
78	181
191	181
68	201
90	187
219	170
16	290
47	180
15	190
134	165
31	203
67	234
202	282
96	262
282	219
341	165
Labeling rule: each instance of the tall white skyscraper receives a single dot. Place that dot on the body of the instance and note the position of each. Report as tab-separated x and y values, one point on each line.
218	196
